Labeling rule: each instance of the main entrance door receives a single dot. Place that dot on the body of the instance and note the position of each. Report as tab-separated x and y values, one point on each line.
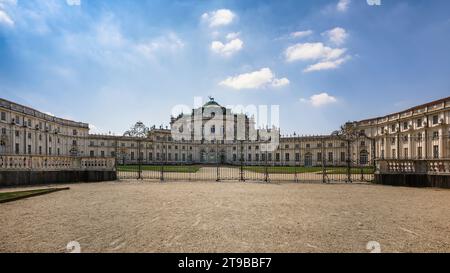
308	160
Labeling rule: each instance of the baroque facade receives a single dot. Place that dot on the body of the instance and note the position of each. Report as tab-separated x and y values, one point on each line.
421	132
417	133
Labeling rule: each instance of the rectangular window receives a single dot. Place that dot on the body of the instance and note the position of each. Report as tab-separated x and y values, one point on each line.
297	157
102	153
234	157
269	157
286	157
419	152
183	157
169	157
330	156
29	135
249	157
91	153
132	155
3	116
419	123
435	119
342	156
40	150
29	149
176	156
319	156
406	153
50	150
405	125
436	151
59	151
17	150
277	157
394	153
113	154
435	135
150	156
257	157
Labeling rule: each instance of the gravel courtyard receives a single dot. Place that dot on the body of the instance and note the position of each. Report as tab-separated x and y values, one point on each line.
132	216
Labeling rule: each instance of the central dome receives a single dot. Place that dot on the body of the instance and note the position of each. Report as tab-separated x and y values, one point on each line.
211	102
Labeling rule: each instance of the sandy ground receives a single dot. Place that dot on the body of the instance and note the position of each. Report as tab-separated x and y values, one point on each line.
132	216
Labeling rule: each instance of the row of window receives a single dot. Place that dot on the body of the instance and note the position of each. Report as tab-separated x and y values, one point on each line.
419	155
419	137
419	123
28	122
30	151
287	157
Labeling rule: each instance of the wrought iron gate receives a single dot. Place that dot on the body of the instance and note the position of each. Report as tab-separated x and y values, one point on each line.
341	159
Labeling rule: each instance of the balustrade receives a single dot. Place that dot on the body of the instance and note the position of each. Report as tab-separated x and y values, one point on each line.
54	163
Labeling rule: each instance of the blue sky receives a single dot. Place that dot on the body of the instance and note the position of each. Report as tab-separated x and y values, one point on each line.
111	63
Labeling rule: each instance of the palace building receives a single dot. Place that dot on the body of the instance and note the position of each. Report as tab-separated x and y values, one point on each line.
211	135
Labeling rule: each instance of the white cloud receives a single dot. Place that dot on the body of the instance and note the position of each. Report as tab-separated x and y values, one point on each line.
232	35
342	5
6	19
280	82
320	100
312	51
227	49
337	35
301	34
220	17
73	2
105	44
170	42
326	65
257	79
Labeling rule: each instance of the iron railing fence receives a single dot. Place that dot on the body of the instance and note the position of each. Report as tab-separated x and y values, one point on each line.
332	169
